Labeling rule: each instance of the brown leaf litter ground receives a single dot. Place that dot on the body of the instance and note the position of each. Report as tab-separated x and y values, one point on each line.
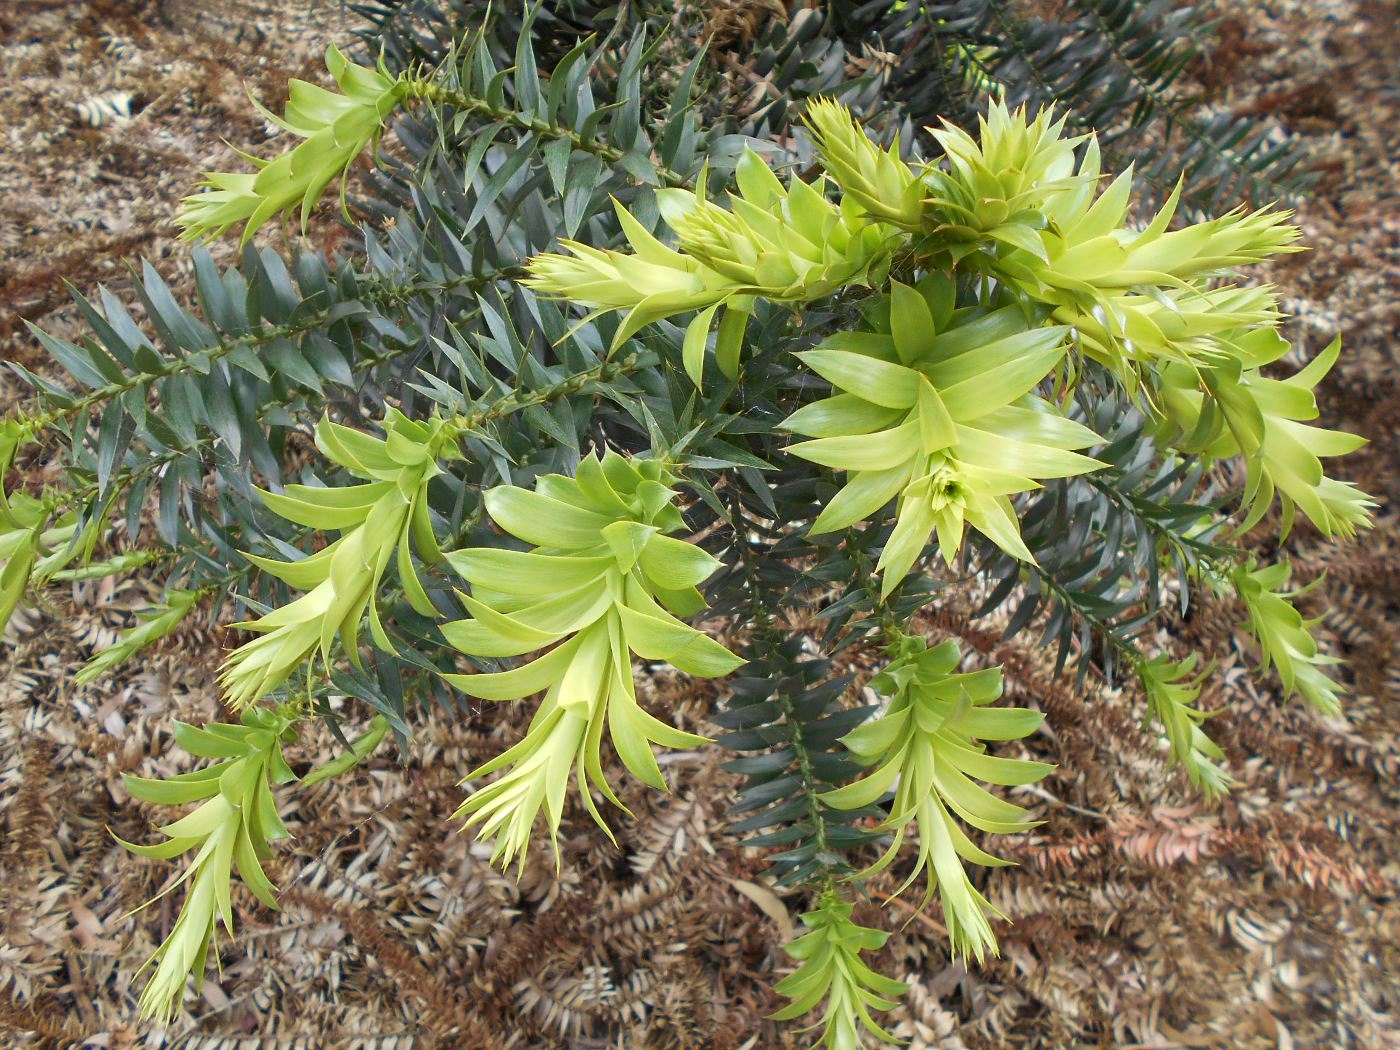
1142	918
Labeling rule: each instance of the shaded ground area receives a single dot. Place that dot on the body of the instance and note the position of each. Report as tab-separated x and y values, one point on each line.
1141	917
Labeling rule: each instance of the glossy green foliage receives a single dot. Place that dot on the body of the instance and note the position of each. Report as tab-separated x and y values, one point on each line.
987	363
604	581
784	243
936	407
1243	412
364	745
1172	689
153	627
1115	65
785	713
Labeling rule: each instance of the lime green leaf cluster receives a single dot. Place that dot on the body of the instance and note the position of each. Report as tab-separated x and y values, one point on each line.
781	243
1172	689
927	748
936	407
376	521
1154	305
603	581
993	192
32	544
335	128
832	972
887	188
1263	419
1014	202
153	627
234	826
1284	637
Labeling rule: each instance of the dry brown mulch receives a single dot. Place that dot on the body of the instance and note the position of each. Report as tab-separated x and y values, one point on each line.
1142	917
112	110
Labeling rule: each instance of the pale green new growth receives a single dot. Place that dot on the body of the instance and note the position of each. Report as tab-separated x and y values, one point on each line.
154	626
234	826
832	972
1262	419
788	244
376	521
1005	294
33	543
992	194
1284	636
362	748
1159	307
936	407
603	581
335	129
1014	270
1172	689
886	187
927	748
1015	203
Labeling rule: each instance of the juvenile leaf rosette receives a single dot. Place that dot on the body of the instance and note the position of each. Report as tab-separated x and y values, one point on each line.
927	748
990	196
936	408
376	520
1284	636
34	542
1173	688
603	581
887	188
234	827
335	129
1158	303
1122	287
1016	203
832	972
1243	412
1154	303
782	243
